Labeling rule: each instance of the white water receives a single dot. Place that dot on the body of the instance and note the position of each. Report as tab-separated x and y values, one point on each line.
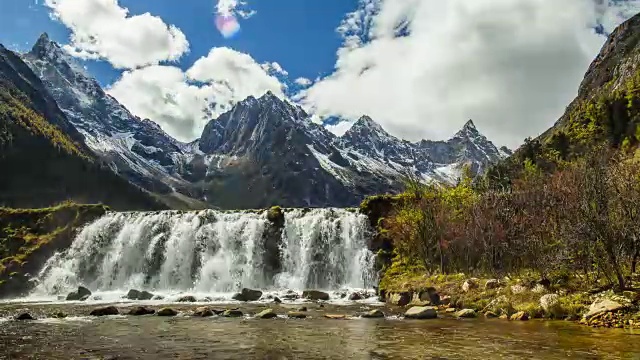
212	253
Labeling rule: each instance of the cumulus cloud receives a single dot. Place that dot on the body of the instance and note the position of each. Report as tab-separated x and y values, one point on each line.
274	67
183	102
302	81
424	67
234	7
101	29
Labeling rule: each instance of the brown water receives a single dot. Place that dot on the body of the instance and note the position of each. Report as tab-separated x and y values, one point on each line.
184	337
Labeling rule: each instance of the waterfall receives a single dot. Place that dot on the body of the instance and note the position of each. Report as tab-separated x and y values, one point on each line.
213	252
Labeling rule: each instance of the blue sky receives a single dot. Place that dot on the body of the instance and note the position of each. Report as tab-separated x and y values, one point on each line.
299	35
510	65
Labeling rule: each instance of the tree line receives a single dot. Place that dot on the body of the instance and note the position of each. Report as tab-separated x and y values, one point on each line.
584	217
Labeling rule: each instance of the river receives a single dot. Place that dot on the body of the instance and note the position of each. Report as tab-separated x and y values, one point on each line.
186	337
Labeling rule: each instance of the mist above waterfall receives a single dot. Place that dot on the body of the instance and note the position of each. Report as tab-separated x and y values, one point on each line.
213	252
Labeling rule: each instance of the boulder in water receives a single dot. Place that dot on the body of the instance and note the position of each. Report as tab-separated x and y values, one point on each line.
520	316
355	296
232	313
203	312
105	311
133	294
335	316
85	298
24	316
81	293
141	310
421	312
277	300
490	315
59	315
466	313
266	314
167	312
218	311
248	295
187	298
373	314
315	295
304	308
296	315
139	295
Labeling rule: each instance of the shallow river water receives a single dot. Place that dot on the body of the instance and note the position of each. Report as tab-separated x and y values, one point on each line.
185	337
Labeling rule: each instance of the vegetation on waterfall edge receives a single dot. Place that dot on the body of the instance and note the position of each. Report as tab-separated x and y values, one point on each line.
25	233
561	216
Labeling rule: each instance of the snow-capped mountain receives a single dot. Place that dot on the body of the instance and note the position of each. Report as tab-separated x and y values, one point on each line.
264	151
272	147
135	148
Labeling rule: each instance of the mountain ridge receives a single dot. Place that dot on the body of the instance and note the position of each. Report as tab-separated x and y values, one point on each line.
263	146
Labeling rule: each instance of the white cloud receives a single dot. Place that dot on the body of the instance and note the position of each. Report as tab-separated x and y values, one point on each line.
183	102
274	67
510	65
302	81
101	29
234	7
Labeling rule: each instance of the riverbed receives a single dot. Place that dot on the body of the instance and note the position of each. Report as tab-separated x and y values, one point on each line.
185	337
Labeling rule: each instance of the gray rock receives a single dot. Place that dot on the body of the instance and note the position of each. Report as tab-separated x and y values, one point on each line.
232	313
421	312
248	295
373	314
296	315
466	313
24	316
187	298
141	310
315	295
105	311
603	306
203	312
355	296
167	312
266	314
81	293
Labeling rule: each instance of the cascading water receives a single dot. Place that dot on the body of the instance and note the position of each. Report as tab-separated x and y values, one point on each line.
213	252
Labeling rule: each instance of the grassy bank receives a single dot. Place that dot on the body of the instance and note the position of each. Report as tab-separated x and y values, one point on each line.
28	237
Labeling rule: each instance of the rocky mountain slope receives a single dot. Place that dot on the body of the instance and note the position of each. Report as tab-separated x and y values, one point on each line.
270	147
43	158
138	149
604	115
262	152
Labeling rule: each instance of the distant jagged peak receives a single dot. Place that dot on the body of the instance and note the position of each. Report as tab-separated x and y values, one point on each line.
468	130
51	52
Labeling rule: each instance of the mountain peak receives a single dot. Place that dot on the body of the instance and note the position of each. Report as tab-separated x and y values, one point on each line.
44	46
469	125
468	130
367	122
